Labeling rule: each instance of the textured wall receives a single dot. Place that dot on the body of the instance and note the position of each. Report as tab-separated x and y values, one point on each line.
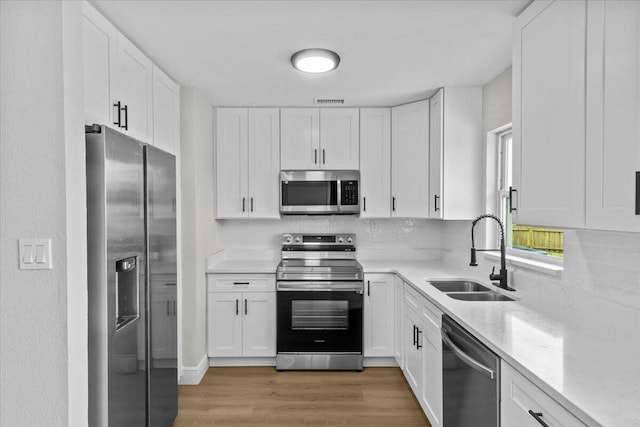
33	309
200	233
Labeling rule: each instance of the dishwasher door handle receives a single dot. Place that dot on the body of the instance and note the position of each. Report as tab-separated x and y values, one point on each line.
466	358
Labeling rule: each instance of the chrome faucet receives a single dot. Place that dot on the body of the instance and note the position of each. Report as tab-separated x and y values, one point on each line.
502	277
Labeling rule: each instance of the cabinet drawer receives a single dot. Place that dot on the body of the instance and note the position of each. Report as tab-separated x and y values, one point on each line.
519	396
431	315
241	283
412	298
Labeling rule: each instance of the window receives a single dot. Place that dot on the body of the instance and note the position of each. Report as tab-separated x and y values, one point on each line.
528	241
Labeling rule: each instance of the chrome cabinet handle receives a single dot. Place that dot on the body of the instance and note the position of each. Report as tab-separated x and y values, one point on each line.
466	358
538	417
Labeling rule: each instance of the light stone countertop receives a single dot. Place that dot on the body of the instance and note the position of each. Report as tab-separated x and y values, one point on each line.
593	370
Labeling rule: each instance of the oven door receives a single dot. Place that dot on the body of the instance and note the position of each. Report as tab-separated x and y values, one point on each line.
326	317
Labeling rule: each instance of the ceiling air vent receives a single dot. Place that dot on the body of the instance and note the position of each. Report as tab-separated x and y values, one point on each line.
328	101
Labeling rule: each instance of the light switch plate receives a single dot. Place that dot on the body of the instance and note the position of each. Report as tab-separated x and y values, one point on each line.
35	254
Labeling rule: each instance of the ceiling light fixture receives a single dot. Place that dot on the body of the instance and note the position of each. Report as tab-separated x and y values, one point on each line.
315	60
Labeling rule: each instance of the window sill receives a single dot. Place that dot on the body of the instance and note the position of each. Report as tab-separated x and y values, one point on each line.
529	264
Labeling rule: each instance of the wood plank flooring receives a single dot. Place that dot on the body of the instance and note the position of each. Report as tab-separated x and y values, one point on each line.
261	396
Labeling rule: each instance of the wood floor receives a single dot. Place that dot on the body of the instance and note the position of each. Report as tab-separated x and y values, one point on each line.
261	396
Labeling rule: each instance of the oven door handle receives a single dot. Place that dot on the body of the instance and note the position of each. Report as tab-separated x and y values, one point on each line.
468	360
310	286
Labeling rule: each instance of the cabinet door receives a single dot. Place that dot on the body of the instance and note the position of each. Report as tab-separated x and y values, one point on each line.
413	355
264	162
300	138
339	138
231	163
166	112
375	162
436	141
99	53
224	324
379	315
410	160
431	396
549	114
398	336
613	121
134	90
259	324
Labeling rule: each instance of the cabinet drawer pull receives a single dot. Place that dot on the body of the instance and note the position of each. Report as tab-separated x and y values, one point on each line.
240	283
245	307
435	203
126	117
538	417
243	199
393	204
175	310
511	191
414	334
638	193
237	310
364	204
418	345
252	204
368	288
315	156
168	312
324	158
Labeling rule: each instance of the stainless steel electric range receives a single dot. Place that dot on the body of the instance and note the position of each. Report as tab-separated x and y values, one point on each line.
319	303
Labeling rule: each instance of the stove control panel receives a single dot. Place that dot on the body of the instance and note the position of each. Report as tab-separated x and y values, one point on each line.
318	239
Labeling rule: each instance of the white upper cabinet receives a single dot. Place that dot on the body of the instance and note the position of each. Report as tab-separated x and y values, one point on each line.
123	89
613	115
410	160
247	162
319	139
455	153
339	138
99	52
375	162
549	114
166	112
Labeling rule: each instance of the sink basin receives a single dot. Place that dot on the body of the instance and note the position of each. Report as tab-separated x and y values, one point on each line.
459	286
479	296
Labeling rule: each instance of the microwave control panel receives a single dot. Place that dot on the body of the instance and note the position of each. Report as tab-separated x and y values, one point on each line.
349	192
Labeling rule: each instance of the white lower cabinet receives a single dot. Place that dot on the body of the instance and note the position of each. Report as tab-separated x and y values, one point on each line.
423	353
522	403
398	321
241	323
379	315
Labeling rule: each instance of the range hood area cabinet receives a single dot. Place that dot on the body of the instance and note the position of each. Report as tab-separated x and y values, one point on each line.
314	138
247	157
576	78
123	89
455	153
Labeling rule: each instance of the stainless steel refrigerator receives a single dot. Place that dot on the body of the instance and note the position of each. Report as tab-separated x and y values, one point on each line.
132	272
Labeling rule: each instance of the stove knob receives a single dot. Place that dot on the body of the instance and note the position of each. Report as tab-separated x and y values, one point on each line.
340	239
288	239
298	239
349	239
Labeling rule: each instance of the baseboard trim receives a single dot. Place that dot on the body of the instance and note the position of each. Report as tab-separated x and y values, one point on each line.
379	361
242	361
192	375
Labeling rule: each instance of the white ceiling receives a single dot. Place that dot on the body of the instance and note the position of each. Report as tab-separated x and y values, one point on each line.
392	52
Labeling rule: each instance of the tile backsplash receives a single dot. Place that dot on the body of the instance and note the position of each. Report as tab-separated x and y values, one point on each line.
601	275
371	233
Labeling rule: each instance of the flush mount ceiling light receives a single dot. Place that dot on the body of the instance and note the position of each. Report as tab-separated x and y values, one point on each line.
315	60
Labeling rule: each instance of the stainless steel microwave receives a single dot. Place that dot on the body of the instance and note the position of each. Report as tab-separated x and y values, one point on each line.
319	192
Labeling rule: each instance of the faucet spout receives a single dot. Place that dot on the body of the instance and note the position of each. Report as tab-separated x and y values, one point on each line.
501	278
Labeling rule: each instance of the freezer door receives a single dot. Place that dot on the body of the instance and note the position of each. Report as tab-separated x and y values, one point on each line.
163	307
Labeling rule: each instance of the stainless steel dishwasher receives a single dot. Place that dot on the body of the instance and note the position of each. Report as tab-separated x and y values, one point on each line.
470	379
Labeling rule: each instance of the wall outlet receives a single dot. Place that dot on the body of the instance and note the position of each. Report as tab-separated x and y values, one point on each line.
35	254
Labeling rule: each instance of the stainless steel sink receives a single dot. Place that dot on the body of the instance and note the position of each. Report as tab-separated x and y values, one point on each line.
466	290
479	296
459	286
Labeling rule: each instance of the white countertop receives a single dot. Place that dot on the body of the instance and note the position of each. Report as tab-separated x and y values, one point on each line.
592	369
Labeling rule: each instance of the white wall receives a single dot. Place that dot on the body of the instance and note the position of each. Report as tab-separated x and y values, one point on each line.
38	108
496	101
200	232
